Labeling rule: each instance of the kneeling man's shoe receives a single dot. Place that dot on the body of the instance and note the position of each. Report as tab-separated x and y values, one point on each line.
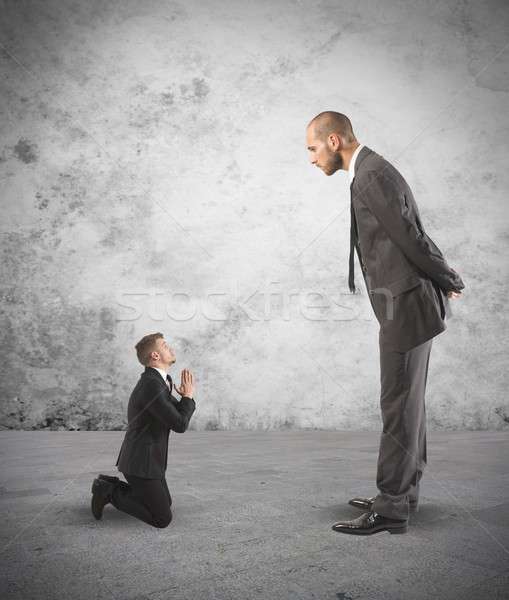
109	478
371	522
101	495
367	504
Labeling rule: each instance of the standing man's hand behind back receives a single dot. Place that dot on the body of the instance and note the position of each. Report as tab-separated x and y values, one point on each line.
454	293
186	384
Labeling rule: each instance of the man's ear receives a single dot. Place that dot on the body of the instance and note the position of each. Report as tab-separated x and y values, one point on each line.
334	142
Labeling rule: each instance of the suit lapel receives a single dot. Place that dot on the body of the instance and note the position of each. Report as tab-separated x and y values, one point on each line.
150	372
354	231
153	374
363	154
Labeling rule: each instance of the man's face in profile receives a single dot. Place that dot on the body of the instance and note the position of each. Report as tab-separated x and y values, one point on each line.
321	153
166	354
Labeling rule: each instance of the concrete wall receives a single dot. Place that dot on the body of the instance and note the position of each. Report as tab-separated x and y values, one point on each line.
152	154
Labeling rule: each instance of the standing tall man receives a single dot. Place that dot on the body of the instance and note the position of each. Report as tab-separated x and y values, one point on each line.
409	284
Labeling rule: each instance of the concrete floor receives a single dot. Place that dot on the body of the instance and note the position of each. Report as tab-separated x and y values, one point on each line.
252	518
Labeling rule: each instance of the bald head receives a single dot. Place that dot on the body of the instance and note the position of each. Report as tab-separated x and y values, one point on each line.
329	122
330	141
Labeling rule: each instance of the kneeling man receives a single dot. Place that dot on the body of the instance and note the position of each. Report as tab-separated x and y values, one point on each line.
152	413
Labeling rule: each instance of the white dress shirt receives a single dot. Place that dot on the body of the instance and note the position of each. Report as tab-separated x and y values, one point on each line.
163	374
351	166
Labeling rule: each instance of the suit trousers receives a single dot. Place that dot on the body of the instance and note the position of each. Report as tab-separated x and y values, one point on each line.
402	453
146	499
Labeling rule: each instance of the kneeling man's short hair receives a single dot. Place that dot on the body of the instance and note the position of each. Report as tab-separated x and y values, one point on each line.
145	346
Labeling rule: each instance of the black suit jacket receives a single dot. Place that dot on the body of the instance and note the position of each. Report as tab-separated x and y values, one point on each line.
406	274
151	413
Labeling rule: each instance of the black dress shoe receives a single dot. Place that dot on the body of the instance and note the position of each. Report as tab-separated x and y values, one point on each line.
109	478
367	504
101	495
371	522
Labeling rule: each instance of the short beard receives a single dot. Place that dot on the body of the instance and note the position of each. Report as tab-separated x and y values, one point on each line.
334	164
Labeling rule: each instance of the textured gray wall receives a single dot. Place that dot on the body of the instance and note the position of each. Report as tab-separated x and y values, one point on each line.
152	154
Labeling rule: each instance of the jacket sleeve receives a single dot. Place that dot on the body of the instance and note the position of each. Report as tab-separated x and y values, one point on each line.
386	200
175	416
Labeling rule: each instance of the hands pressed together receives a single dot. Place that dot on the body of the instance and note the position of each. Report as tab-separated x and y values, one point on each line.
186	387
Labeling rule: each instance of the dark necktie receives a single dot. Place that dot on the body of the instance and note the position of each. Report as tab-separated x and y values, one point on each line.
353	241
169	383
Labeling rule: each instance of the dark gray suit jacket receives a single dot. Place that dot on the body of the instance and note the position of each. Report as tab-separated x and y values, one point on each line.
406	275
151	413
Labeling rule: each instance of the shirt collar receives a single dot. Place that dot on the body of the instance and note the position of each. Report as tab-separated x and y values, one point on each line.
351	166
162	373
